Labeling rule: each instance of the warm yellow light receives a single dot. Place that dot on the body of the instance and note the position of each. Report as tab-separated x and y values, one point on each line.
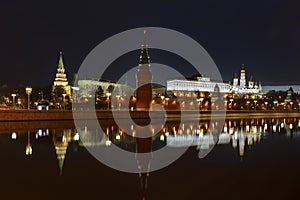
14	136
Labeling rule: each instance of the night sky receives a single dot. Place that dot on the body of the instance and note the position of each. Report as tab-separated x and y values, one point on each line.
264	35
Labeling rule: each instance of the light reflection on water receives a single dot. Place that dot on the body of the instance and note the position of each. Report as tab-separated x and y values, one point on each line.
238	134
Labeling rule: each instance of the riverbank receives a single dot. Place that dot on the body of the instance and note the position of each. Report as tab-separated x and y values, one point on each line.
55	115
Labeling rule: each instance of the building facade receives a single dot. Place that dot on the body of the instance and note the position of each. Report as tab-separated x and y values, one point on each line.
187	88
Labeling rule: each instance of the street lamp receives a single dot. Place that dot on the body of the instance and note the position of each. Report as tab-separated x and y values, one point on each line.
275	104
64	99
248	102
231	100
167	102
119	104
108	95
28	92
255	101
14	96
282	105
201	99
266	105
225	102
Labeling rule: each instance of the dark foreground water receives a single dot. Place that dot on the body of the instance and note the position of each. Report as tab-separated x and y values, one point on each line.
254	159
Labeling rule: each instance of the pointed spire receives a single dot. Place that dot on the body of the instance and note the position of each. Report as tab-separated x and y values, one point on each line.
61	151
61	165
60	63
251	79
144	57
235	75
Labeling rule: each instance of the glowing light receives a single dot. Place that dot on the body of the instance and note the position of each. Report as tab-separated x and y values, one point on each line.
162	138
107	143
14	136
225	129
64	139
40	132
118	137
265	127
28	150
247	128
76	137
291	126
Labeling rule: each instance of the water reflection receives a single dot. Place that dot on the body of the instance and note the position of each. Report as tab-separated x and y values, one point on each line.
239	134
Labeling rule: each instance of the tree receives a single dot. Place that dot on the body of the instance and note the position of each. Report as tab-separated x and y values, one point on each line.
99	92
58	93
110	88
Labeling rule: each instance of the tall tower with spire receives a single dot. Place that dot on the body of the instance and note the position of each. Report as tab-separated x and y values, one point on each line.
144	79
235	81
243	77
251	83
60	84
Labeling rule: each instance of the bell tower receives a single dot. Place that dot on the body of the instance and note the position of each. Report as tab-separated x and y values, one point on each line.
243	77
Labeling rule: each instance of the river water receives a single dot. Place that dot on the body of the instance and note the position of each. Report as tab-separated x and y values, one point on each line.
248	159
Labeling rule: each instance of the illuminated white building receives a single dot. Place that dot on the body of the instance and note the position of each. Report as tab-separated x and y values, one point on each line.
87	88
202	84
240	87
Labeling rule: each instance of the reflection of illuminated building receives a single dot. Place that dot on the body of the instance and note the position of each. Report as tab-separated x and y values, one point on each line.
91	138
61	139
224	138
242	144
183	140
143	158
28	150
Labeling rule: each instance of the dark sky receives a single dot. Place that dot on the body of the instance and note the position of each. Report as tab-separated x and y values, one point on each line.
265	35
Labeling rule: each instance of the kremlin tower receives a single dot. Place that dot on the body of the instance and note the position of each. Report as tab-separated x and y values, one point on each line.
243	77
144	79
61	84
240	86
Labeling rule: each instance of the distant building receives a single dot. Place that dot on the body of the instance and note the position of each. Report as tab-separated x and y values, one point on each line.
267	88
240	87
61	88
187	88
87	88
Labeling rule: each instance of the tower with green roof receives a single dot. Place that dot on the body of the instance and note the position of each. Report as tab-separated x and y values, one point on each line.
61	85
